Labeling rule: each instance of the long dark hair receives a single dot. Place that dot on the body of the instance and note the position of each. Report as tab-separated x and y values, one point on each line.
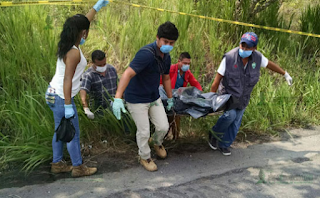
70	33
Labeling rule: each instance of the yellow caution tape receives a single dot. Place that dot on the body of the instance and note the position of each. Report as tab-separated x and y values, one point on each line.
9	3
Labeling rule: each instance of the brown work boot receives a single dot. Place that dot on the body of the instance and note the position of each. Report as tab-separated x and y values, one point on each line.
82	170
148	164
60	167
160	151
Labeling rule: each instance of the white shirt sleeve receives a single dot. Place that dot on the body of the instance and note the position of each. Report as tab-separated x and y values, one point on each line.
222	67
264	61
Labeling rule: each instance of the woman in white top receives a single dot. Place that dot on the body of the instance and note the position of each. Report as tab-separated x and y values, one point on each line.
65	85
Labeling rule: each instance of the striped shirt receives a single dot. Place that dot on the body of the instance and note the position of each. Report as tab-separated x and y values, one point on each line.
100	88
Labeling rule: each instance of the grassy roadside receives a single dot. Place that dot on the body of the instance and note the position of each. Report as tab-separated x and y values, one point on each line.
29	40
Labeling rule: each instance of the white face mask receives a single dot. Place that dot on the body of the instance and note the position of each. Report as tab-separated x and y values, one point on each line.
101	69
185	68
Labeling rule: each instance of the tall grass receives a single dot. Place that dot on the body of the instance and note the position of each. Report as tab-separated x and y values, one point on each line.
309	23
29	37
26	57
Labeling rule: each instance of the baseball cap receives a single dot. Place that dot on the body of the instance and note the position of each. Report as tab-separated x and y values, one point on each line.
250	38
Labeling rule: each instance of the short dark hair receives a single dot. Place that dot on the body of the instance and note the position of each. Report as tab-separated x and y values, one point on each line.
168	30
184	55
98	55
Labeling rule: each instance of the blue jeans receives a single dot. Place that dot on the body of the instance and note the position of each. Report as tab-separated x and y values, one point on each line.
227	127
74	145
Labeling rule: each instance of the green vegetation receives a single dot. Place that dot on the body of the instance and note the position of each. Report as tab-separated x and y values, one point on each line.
29	37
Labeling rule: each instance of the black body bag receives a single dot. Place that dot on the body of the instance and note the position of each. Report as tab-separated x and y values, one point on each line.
65	131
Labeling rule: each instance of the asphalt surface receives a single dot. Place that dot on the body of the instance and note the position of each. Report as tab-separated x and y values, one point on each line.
288	168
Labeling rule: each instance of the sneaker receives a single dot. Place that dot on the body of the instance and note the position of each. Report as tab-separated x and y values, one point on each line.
148	164
213	143
160	151
82	170
225	151
60	167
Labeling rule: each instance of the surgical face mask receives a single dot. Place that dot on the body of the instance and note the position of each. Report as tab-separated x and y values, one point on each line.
245	54
166	48
185	68
101	69
82	41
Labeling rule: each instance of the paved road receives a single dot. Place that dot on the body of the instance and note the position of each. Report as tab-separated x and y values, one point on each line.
289	168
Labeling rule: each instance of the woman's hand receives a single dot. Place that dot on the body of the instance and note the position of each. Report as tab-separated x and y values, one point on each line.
100	4
96	8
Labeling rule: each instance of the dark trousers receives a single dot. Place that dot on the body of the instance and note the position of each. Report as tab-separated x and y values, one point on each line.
227	126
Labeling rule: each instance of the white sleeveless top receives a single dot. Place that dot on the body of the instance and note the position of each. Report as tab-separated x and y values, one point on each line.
57	80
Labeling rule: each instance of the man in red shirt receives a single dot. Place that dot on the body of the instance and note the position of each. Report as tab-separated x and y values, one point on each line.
180	76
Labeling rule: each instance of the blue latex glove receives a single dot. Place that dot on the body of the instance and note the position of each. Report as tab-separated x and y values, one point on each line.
117	106
170	103
68	111
100	4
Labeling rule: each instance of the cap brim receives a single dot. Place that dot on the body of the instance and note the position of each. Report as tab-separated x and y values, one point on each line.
250	44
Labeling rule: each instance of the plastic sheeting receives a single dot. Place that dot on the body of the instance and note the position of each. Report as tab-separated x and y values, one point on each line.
191	101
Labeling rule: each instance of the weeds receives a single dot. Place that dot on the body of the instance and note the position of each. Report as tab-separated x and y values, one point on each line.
29	37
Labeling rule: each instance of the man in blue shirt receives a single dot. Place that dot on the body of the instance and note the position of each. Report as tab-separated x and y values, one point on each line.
140	82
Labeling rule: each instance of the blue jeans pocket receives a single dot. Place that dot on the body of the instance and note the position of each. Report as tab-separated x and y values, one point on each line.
50	96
